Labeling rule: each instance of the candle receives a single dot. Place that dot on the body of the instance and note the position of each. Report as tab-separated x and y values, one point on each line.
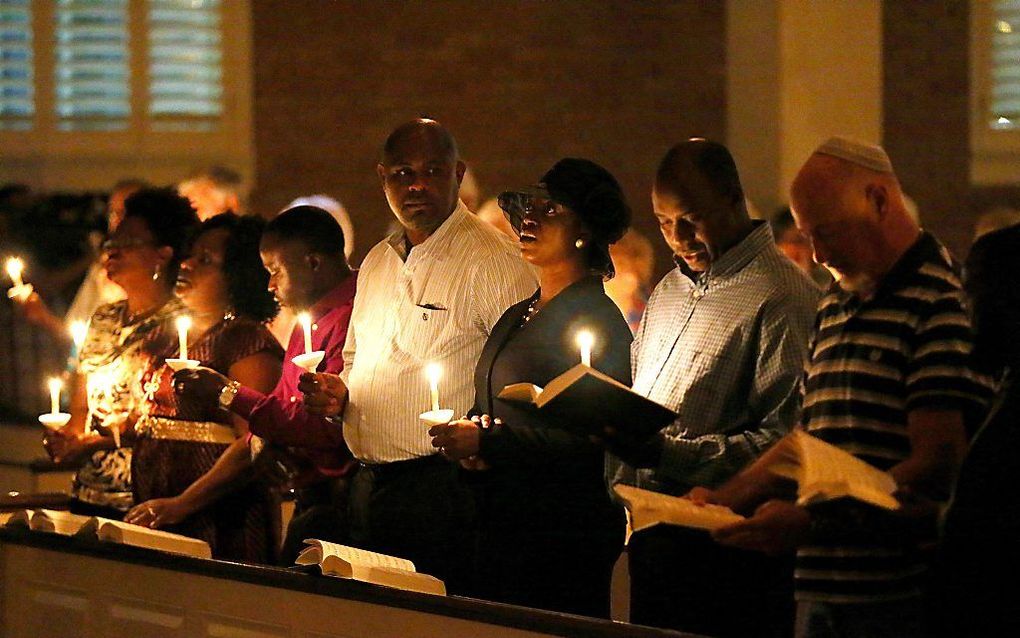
585	340
183	325
433	371
78	331
306	322
14	268
55	385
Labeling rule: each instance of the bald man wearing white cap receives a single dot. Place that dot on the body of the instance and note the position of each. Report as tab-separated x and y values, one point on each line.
887	379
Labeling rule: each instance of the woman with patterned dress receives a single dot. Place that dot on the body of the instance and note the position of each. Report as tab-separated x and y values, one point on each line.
222	285
142	256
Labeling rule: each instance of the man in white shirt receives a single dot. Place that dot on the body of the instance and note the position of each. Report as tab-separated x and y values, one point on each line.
428	293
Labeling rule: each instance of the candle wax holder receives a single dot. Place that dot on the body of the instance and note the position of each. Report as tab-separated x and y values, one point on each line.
54	421
21	293
182	364
309	361
436	417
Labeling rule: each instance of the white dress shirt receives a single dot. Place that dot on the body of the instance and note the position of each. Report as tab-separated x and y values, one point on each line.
436	304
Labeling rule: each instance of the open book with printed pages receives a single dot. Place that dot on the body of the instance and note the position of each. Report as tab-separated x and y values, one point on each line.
648	509
592	400
358	564
824	472
105	529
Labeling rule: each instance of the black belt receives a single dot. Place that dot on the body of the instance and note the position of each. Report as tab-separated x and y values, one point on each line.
401	467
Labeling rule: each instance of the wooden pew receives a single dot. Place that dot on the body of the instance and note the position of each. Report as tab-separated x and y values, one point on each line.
52	585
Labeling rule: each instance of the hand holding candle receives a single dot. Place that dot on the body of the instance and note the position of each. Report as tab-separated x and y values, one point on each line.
585	341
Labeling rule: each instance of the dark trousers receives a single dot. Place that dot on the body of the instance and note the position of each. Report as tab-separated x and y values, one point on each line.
320	512
566	572
682	579
417	510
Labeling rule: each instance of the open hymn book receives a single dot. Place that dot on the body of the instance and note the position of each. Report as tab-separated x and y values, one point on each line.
822	471
591	400
359	564
105	529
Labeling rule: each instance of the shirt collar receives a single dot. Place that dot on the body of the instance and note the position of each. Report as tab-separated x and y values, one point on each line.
398	239
733	260
338	296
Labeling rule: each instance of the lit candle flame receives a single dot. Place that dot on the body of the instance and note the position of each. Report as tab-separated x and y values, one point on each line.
433	372
78	331
55	385
305	320
183	325
14	268
585	341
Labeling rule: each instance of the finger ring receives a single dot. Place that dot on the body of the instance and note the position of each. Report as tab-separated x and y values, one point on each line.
151	511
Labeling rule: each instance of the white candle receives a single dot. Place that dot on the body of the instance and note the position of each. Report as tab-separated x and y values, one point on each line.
55	385
306	323
78	331
14	268
183	325
433	371
585	340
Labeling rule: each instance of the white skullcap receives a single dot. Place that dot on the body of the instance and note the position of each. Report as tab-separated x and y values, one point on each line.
334	208
862	154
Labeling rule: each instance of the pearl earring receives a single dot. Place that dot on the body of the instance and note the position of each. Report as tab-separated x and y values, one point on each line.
579	243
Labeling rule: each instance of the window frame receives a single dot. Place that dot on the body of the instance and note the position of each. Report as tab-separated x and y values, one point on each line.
48	157
995	153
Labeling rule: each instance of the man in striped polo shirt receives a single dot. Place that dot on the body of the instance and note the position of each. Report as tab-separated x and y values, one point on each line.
887	380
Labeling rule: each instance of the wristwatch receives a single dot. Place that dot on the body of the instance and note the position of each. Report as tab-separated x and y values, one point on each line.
228	393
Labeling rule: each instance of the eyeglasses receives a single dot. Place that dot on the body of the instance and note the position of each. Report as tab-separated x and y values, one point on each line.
123	243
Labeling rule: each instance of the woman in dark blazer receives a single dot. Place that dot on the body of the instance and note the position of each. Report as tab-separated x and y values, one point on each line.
548	532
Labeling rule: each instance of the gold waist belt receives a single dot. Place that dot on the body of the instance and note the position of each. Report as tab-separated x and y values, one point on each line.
158	427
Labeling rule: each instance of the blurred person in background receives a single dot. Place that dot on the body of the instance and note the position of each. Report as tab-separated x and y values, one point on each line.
213	191
634	260
796	247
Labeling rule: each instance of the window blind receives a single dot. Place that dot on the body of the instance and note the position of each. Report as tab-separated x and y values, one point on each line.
92	70
1004	103
17	91
185	69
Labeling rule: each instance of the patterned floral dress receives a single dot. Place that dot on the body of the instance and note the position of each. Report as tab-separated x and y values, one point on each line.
177	444
116	352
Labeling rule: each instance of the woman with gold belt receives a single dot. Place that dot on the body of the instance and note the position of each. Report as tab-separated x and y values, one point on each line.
222	285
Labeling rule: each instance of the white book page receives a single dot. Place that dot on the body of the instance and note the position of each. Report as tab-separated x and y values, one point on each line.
649	508
57	521
828	470
354	556
120	532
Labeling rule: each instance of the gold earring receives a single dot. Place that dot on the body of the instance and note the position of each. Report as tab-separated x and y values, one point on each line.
155	273
579	244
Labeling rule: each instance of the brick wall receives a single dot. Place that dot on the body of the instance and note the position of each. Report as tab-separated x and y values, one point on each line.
520	84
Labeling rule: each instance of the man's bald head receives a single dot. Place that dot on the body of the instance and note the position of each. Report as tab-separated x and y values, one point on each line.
421	173
699	164
419	133
699	202
847	200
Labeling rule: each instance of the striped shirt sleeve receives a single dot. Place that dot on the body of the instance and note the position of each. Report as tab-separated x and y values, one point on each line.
939	374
